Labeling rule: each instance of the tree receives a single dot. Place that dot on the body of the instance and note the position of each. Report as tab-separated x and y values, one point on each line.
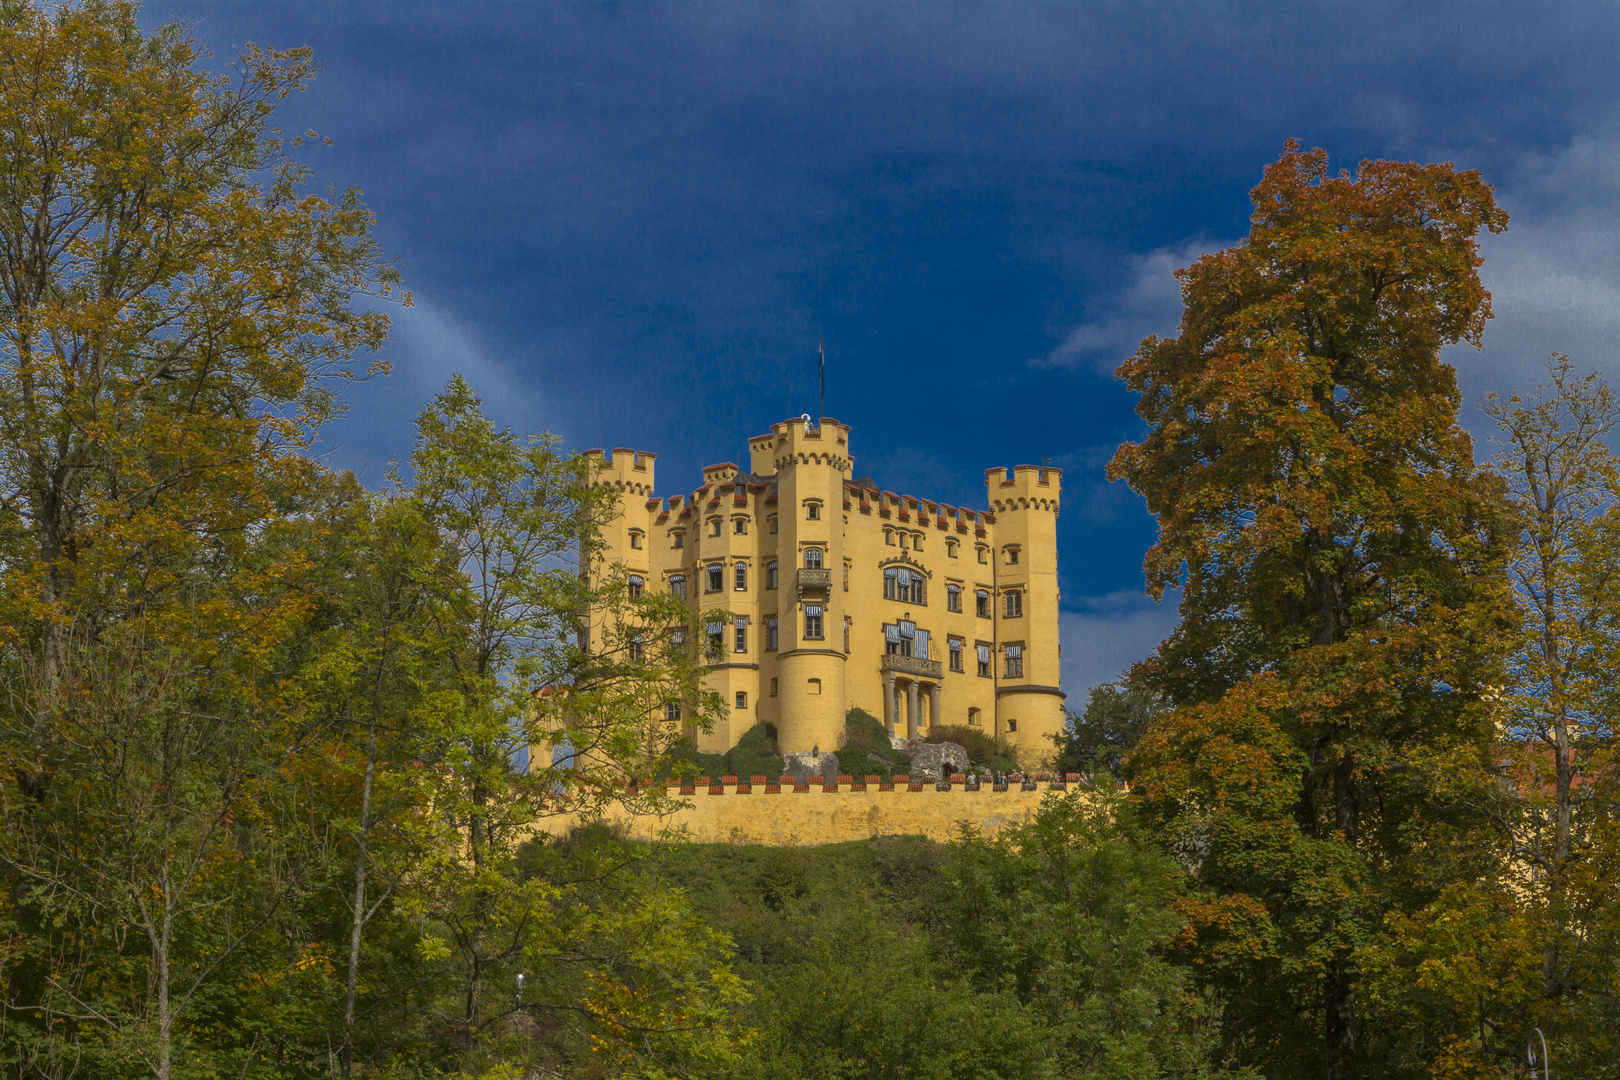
1073	918
174	306
1117	714
1341	559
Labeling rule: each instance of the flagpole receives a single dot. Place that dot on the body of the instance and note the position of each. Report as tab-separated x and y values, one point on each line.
823	373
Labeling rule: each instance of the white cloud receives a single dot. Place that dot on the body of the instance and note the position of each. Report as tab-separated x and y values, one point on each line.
427	344
1108	634
1554	275
1149	302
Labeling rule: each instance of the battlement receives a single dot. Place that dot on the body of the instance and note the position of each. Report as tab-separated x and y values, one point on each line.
795	442
1028	487
719	474
625	470
782	813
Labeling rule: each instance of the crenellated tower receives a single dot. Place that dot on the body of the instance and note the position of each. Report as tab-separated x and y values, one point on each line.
1029	703
811	465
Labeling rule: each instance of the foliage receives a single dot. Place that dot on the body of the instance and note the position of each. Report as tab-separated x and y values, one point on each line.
1342	566
755	754
1117	715
867	747
1072	917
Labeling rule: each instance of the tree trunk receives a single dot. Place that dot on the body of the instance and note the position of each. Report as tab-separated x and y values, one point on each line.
1339	1002
358	922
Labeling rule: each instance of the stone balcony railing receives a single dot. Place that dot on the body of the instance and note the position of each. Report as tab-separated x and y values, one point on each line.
913	665
815	579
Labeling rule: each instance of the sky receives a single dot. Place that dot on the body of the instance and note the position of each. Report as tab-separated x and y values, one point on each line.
630	223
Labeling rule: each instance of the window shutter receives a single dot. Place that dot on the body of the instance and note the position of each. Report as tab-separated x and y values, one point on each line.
984	654
920	649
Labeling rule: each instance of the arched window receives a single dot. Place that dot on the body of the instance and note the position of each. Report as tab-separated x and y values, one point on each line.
891	584
638	650
812	558
950	548
635	538
973	717
672	713
635	587
677	587
741	576
907	586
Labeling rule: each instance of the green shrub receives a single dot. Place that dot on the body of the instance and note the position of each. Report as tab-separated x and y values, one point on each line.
866	750
755	754
981	748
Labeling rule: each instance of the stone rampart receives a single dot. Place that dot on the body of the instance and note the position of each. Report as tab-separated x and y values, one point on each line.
786	813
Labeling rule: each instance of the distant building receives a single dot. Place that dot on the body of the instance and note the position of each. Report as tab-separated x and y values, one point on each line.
845	595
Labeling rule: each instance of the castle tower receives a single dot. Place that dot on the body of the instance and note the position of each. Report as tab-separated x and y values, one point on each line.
1029	703
810	464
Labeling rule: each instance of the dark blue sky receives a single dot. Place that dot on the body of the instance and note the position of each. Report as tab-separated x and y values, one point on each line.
653	210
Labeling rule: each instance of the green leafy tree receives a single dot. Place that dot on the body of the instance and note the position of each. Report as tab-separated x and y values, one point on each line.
1076	920
1342	560
1117	715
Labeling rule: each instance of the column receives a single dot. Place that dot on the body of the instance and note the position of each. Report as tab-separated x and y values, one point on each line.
890	703
913	706
933	706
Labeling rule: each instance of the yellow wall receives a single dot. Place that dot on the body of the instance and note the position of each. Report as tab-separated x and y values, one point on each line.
812	817
861	531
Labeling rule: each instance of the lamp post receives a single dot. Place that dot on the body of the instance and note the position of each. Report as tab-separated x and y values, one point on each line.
1546	1058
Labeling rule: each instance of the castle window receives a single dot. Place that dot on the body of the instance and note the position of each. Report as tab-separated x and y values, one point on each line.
714	526
717	576
812	558
846	575
812	622
904	539
953	598
742	699
741	628
984	659
672	713
717	642
741	575
950	548
1015	604
891	584
770	634
956	653
635	587
773	524
916	542
888	537
677	539
635	539
773	686
1012	727
814	687
846	633
812	511
638	651
984	554
677	587
1015	661
902	639
973	717
981	604
770	575
1012	554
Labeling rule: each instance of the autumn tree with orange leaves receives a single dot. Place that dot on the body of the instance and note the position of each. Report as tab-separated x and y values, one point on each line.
1344	596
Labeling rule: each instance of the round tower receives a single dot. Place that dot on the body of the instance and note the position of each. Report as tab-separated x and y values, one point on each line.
1029	698
810	465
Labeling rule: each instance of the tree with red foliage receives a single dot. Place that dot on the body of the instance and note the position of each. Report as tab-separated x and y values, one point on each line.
1344	600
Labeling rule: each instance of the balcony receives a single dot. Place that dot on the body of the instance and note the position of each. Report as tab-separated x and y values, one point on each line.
815	579
914	665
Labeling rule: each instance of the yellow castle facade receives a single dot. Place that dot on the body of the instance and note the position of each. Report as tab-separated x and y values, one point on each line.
845	595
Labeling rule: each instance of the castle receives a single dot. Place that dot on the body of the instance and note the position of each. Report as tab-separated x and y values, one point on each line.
846	595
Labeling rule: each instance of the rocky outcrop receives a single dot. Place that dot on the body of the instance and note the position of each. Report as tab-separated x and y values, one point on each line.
931	761
803	766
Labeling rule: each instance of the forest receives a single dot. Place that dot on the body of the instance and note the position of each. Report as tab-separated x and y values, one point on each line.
278	749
